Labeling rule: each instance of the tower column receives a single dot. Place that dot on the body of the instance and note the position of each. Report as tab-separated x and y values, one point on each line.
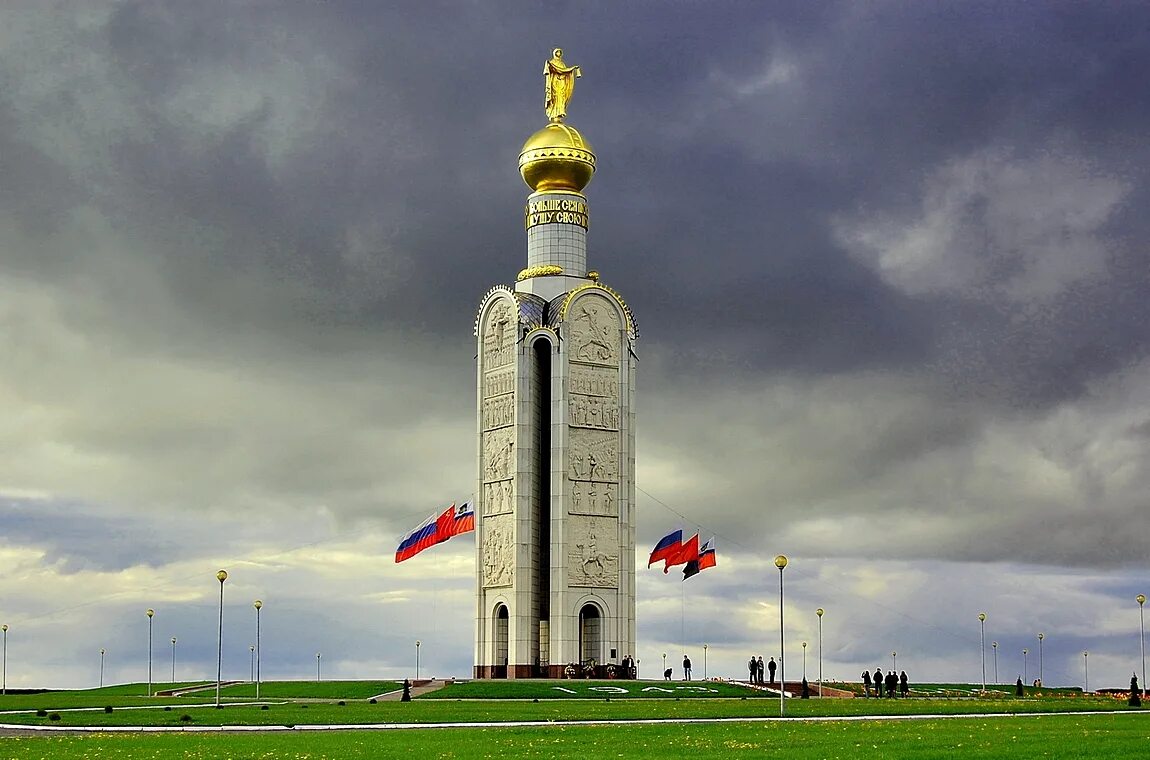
555	536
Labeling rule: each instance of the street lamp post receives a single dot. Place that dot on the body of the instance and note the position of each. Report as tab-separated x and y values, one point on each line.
994	646
101	667
251	663
664	662
417	643
982	629
780	563
150	613
221	576
1025	677
258	605
1141	599
894	660
1086	672
804	660
704	662
1041	636
819	613
173	659
317	657
4	661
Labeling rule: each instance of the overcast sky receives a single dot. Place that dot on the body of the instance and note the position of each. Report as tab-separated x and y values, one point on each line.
888	261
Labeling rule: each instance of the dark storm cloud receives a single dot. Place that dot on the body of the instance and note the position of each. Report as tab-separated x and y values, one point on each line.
728	137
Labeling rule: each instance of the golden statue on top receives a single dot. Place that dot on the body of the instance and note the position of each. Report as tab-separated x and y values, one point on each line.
560	83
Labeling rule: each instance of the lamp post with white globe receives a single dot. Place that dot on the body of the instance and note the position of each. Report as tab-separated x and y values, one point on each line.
1041	636
982	634
1141	599
258	606
150	613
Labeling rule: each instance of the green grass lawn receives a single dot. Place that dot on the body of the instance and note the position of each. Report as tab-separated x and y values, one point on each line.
1047	736
578	689
282	712
312	689
138	689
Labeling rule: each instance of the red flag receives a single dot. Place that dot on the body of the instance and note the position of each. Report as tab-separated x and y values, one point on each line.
688	552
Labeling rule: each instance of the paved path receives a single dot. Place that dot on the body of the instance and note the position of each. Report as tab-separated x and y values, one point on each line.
419	688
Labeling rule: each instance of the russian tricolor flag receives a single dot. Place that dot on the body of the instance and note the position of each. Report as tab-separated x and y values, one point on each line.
436	529
668	546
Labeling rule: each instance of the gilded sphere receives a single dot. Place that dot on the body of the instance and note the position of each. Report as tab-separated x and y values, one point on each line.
781	561
222	576
1141	599
557	158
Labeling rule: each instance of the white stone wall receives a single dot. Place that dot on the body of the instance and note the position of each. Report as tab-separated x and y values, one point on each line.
593	537
560	244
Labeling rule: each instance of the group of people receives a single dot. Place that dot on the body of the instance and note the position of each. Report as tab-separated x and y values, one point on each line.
755	668
892	684
628	667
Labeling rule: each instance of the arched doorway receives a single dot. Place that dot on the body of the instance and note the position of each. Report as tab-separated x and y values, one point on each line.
590	634
499	666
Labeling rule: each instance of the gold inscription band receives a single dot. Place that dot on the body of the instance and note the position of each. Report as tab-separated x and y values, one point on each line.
555	211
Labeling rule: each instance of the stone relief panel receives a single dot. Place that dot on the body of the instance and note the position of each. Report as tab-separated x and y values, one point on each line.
499	335
590	380
594	455
589	497
498	454
593	412
593	552
499	411
499	382
498	497
498	548
594	330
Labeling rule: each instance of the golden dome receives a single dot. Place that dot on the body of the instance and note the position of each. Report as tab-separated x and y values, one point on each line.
557	158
